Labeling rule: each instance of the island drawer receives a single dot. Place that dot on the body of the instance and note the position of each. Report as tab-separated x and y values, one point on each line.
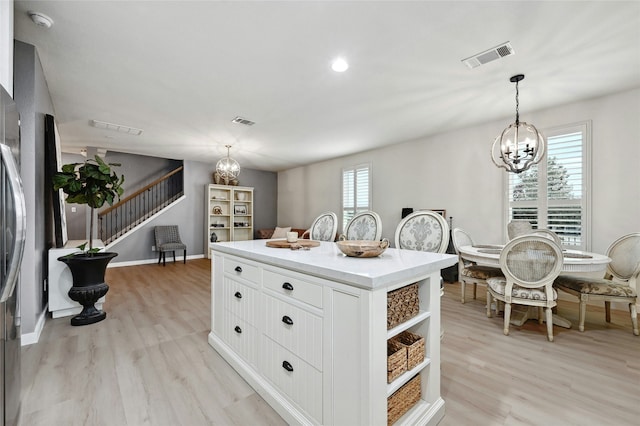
240	269
296	329
298	380
241	336
290	286
239	299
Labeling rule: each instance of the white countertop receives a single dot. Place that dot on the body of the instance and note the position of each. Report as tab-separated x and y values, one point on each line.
327	261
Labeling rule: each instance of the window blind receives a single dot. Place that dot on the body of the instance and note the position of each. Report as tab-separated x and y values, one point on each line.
552	194
356	192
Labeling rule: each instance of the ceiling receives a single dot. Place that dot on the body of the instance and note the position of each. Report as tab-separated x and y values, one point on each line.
182	70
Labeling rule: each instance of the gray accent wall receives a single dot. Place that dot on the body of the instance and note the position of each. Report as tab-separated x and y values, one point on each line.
32	97
189	212
138	170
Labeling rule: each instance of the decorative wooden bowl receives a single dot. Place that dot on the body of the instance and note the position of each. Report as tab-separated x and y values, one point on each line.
363	248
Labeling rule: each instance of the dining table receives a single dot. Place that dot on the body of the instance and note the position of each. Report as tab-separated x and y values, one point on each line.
575	262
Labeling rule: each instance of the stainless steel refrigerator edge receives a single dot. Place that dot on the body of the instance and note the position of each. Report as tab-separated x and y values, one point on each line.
12	224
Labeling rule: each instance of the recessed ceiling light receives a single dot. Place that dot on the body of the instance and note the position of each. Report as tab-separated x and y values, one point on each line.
339	65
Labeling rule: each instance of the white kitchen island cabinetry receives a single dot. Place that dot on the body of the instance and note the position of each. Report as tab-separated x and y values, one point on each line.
307	329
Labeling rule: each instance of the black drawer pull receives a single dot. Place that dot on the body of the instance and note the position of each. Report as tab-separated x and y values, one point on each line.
238	269
238	329
287	286
238	295
287	320
287	366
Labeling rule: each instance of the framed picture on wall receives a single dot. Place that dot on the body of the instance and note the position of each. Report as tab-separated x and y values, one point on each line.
240	209
441	212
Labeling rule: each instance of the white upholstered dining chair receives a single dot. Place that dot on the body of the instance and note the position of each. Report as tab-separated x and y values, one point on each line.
518	227
364	226
423	230
548	234
619	285
469	272
323	228
530	264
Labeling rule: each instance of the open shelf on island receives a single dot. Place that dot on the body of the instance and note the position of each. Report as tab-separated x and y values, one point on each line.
422	315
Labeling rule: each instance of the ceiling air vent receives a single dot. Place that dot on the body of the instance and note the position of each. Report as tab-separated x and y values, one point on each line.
492	54
240	120
116	127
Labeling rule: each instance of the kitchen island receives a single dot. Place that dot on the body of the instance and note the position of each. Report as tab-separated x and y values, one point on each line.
307	329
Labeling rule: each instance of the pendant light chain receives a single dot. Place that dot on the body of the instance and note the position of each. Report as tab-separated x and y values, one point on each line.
517	104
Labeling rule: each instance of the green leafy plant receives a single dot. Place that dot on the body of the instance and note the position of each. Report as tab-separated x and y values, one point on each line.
92	183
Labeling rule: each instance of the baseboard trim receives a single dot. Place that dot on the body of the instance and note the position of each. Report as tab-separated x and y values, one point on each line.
148	261
31	338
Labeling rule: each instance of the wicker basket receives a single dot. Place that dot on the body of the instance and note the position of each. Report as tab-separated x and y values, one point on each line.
402	304
396	359
403	399
415	347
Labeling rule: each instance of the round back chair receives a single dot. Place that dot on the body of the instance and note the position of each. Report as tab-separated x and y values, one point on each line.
548	234
530	264
324	227
364	226
460	238
423	230
620	284
625	258
518	227
469	272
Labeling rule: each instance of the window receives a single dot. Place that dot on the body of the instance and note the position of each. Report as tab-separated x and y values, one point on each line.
356	191
554	193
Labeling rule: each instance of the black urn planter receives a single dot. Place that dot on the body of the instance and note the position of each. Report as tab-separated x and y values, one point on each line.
87	270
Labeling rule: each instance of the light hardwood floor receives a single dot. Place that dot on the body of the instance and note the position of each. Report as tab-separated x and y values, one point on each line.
149	363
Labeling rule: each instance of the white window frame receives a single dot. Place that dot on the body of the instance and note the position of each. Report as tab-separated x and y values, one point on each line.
354	207
542	203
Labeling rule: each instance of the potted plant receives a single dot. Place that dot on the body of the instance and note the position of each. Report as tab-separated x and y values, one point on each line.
92	183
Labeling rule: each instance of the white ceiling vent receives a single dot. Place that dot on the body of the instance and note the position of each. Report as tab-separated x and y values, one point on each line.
116	127
240	120
492	54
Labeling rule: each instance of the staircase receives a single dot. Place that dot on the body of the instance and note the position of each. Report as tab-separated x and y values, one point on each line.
131	211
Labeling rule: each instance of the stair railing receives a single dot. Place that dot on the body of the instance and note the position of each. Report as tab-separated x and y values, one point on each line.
115	221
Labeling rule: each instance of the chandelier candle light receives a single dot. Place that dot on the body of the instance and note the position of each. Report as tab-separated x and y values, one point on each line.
227	167
520	145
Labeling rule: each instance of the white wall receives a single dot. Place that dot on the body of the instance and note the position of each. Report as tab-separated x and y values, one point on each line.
453	171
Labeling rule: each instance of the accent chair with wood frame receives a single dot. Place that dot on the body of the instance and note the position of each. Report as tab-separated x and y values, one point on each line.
469	272
423	230
323	228
530	264
364	226
518	227
620	283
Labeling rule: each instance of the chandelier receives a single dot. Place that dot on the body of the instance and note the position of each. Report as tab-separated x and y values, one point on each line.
520	145
227	167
